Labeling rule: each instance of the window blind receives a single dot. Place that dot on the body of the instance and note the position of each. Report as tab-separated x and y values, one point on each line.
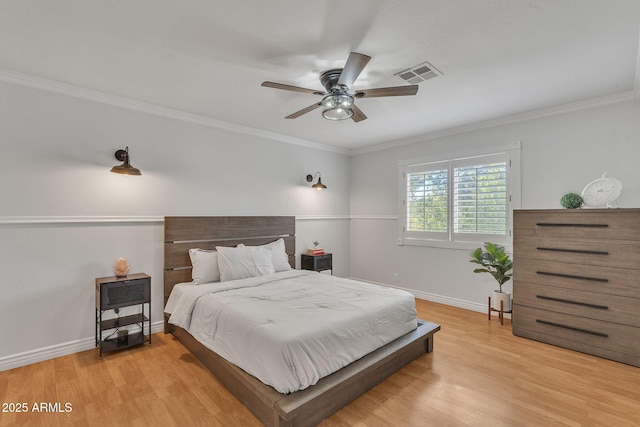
480	198
427	201
460	201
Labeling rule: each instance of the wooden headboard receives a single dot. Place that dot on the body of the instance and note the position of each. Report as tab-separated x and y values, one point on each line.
182	233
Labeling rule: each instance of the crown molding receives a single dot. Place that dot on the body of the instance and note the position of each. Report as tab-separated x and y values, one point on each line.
145	107
615	98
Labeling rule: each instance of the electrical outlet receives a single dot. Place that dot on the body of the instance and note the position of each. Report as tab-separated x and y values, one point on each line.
396	277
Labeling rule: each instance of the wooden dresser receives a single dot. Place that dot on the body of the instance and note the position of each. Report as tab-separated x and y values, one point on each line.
576	280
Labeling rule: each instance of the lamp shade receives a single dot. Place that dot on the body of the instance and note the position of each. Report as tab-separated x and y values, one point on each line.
318	185
125	168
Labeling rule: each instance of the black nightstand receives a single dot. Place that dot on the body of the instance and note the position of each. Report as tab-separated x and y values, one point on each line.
113	293
316	262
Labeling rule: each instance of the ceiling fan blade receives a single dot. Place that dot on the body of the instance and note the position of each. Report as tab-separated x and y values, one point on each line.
292	88
387	91
358	115
352	69
303	111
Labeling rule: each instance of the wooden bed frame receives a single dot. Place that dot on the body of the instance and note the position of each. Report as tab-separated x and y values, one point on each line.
303	408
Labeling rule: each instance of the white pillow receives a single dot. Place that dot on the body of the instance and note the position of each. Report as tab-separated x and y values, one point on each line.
205	266
279	255
243	262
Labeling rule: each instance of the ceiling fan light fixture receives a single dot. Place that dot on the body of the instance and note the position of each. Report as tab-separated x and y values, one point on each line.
337	106
337	103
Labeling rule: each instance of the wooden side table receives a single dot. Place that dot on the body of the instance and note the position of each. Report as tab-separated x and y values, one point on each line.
113	293
316	262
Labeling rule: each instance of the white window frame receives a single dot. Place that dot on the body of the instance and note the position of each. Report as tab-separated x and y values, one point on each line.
450	239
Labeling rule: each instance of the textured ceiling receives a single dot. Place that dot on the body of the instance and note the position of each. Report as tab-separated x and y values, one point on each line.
497	57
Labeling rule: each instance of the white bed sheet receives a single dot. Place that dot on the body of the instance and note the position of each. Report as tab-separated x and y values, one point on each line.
290	329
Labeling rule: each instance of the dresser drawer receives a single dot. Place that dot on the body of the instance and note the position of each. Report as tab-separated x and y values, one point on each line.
590	278
579	333
596	224
605	307
578	251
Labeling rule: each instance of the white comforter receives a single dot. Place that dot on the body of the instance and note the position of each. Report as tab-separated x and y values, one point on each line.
290	329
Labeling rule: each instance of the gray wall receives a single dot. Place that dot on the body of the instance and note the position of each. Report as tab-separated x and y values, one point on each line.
65	219
560	154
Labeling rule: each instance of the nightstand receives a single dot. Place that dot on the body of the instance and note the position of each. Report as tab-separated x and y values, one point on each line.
316	262
114	293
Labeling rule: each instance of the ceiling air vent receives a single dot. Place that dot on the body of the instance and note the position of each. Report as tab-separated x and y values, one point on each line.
419	73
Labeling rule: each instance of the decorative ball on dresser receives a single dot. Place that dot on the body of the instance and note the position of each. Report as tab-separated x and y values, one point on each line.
571	201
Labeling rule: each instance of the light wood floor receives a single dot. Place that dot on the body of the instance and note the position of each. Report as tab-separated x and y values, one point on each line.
478	375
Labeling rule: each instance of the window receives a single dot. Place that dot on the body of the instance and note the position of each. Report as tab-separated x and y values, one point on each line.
458	202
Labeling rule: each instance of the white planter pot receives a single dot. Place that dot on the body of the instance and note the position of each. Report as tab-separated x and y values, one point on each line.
498	296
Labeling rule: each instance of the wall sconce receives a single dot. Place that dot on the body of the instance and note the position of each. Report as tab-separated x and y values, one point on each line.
318	185
125	168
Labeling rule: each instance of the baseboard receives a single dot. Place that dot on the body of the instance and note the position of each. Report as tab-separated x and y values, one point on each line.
58	350
454	302
440	299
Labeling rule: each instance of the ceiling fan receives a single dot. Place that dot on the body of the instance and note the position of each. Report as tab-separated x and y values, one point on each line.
337	102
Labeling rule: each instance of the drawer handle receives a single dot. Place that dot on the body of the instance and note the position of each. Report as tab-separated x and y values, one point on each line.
571	276
574	251
560	224
573	328
568	301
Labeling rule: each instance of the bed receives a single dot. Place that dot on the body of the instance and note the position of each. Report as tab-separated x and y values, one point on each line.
320	398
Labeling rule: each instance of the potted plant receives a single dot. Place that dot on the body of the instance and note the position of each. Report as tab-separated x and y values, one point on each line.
496	262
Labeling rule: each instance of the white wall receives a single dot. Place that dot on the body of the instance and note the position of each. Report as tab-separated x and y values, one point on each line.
58	203
560	154
64	219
